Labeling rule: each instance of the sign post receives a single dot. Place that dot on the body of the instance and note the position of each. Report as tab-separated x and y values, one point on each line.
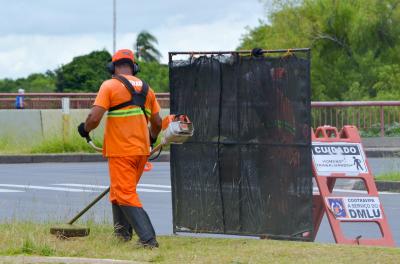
65	105
341	155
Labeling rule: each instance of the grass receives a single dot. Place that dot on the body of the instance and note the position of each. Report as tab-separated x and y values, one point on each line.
391	176
74	144
9	147
49	145
34	239
56	145
391	130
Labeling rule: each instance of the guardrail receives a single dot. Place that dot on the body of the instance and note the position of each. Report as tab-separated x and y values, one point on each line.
53	100
373	118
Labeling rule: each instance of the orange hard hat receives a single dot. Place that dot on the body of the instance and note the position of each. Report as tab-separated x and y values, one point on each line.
123	54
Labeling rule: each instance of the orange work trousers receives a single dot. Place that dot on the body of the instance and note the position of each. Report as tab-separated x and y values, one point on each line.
125	173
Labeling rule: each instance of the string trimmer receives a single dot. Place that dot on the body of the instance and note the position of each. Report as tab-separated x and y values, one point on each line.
177	129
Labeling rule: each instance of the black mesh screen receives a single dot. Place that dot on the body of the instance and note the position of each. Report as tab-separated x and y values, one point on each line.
247	170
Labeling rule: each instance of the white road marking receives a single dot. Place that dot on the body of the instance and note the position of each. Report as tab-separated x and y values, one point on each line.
155	185
151	190
82	185
316	191
28	187
9	191
104	186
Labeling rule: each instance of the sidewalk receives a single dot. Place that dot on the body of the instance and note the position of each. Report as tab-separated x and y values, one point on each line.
379	147
70	157
387	152
374	147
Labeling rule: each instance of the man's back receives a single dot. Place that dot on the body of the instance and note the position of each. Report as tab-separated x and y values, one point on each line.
126	132
126	143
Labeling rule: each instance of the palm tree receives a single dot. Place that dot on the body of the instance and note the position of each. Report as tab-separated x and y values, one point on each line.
145	49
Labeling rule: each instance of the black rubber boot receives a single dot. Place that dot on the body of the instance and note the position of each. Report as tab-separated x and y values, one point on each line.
122	228
141	223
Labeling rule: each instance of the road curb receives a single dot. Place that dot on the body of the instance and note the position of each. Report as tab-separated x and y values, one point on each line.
164	156
382	152
41	158
382	186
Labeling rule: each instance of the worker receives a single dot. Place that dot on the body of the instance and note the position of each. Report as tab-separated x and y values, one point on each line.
19	100
131	105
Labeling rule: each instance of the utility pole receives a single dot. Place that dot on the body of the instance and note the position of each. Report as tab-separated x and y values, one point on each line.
114	25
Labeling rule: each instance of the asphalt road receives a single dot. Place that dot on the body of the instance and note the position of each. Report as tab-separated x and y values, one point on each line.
49	192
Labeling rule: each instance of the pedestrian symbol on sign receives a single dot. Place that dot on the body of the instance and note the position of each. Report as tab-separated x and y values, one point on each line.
357	162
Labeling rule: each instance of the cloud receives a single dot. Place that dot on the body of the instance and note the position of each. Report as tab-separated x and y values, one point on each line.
64	17
26	48
21	55
219	35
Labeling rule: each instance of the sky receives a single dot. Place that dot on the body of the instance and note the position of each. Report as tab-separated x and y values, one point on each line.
40	35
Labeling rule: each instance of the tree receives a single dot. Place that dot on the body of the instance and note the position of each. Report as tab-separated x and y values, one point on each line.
355	44
145	49
84	74
34	83
156	75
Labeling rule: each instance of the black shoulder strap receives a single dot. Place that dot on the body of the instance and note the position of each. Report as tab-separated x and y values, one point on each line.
137	98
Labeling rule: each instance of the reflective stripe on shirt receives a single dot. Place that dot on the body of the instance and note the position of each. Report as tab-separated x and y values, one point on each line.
128	112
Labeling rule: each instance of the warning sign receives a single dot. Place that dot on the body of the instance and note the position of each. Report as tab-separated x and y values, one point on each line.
355	208
338	157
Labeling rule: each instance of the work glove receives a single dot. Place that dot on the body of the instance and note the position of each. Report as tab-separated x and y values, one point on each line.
257	52
82	131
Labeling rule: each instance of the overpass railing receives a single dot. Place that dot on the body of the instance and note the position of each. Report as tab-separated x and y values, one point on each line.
53	100
373	118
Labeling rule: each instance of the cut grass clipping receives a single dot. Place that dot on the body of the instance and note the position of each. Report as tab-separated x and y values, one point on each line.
391	176
34	239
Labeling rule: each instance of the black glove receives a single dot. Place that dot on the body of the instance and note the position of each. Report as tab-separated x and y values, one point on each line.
257	52
152	140
82	131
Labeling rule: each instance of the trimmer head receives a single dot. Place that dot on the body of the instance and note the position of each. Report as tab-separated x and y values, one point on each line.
67	231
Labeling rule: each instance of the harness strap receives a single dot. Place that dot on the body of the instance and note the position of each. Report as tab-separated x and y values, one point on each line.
137	98
119	106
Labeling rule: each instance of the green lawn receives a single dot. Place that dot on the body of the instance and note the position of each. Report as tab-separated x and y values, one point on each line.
49	145
34	239
74	144
391	176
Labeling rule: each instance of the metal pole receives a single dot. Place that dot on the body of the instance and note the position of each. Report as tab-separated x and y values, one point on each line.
65	104
98	198
173	53
382	122
114	25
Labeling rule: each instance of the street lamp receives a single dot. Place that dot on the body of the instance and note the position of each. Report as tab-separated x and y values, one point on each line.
114	25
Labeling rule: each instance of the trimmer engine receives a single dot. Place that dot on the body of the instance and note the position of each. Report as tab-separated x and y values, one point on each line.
177	129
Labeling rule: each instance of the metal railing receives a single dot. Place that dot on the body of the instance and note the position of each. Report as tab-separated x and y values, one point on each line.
373	118
53	100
